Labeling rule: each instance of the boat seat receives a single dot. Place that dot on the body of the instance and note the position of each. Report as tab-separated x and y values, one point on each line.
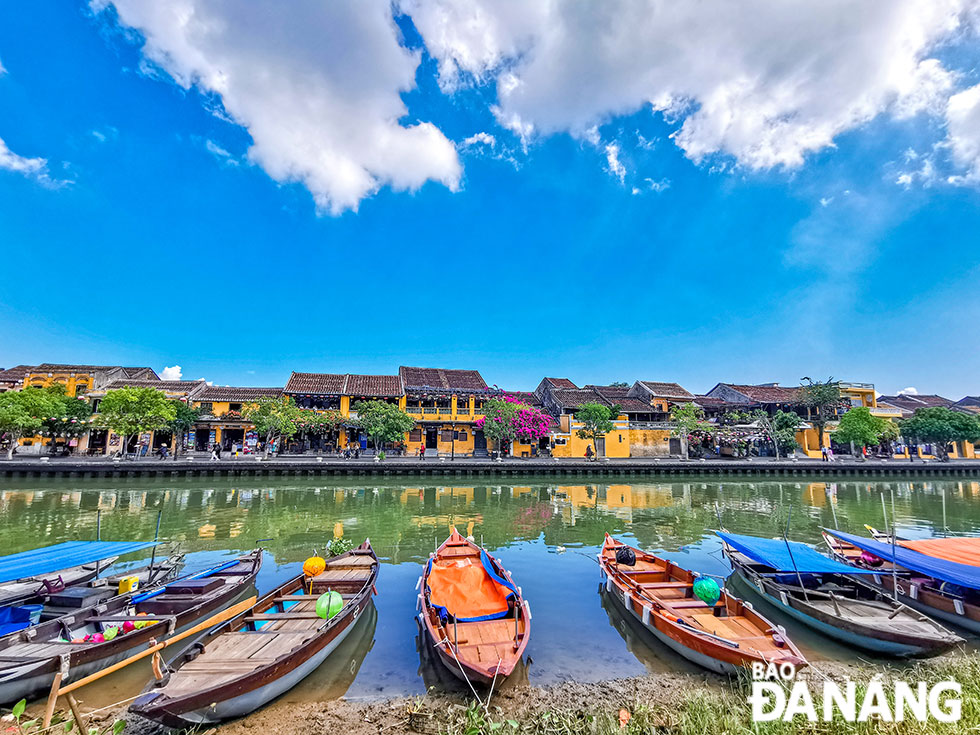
664	585
304	598
281	616
687	604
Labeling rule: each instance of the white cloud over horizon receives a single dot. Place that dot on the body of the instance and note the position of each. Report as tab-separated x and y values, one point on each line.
171	373
910	391
763	85
317	86
35	168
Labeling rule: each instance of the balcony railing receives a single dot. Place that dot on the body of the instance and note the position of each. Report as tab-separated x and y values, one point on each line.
413	409
884	411
856	386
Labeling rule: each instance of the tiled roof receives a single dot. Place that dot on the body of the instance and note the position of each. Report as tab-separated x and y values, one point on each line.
15	374
575	398
439	378
173	386
917	401
373	385
710	402
667	390
134	371
53	367
766	393
562	383
316	383
634	405
221	393
530	399
610	392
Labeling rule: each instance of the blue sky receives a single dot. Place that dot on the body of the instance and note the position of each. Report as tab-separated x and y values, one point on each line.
243	209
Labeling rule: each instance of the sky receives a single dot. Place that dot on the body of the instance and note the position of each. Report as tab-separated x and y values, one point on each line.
634	189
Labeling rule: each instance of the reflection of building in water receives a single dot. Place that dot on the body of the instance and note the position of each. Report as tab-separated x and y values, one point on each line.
620	500
815	494
207	530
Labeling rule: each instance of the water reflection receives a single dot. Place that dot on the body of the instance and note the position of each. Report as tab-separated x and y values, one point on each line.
526	525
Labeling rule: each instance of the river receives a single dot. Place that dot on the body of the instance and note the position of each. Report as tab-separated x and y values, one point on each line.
547	534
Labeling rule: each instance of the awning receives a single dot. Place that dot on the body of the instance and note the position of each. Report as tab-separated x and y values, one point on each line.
965	575
774	553
62	556
959	550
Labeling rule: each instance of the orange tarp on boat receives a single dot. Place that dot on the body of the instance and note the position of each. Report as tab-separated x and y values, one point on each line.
959	550
464	588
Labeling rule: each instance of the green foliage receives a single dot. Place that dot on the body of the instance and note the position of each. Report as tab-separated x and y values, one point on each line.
69	416
383	422
941	426
273	417
620	384
185	416
687	419
596	420
23	413
824	401
339	546
318	424
130	411
861	427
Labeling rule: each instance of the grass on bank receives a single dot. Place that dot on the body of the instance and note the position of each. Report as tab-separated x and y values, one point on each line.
718	712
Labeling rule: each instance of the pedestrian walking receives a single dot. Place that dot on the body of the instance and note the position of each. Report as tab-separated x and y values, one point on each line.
164	451
588	453
823	454
911	450
216	452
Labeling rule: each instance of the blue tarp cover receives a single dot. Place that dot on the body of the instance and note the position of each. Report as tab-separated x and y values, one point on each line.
62	556
773	553
964	575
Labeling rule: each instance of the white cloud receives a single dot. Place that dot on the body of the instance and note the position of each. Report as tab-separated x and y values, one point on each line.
658	186
2	69
35	168
220	153
99	136
479	139
317	85
910	391
825	201
616	167
963	127
765	83
171	373
904	179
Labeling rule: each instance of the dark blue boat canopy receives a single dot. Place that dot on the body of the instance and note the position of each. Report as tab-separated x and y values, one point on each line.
775	553
62	556
929	566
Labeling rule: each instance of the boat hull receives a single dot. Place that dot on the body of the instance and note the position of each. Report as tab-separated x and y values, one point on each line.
252	700
696	657
906	648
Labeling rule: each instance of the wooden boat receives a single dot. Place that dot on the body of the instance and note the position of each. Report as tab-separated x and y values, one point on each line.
823	594
932	583
472	613
34	585
255	657
723	638
30	658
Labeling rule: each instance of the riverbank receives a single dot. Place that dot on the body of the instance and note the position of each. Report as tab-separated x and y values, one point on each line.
305	466
666	703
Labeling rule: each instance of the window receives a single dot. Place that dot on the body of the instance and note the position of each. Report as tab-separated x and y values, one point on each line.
207	407
461	436
235	407
415	435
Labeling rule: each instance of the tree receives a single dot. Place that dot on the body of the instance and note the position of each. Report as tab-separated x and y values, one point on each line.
23	413
274	418
858	427
68	416
185	416
507	418
620	384
129	411
940	427
689	424
319	423
780	429
596	420
383	422
823	401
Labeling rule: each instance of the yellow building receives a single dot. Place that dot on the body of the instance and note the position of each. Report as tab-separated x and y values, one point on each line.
446	404
221	418
80	379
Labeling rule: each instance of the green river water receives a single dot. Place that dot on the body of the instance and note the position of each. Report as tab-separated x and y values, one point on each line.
546	533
